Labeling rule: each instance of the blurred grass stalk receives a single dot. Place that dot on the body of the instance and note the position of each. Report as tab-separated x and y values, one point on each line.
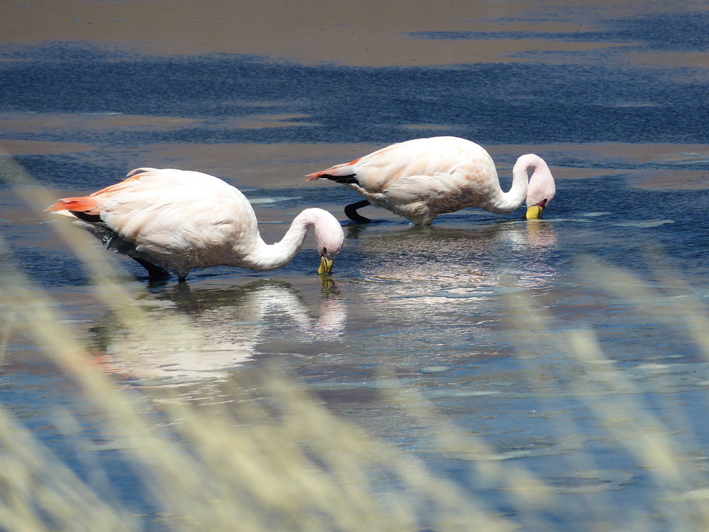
620	408
279	460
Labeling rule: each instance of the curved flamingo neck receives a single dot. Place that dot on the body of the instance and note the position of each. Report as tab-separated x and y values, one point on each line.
272	257
514	198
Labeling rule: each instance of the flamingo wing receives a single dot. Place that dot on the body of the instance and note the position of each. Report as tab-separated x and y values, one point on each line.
376	172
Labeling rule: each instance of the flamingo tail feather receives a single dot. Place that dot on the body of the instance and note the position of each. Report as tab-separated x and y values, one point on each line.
85	204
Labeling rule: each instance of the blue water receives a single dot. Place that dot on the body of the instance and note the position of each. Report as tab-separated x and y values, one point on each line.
424	310
517	103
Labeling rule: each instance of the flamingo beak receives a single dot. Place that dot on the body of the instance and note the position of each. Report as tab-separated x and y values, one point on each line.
534	212
325	265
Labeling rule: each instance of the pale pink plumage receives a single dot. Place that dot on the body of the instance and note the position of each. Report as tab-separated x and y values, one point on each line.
177	220
420	179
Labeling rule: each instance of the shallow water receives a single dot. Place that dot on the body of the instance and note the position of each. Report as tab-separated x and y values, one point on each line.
437	314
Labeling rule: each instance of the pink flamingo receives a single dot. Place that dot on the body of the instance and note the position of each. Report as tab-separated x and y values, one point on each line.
420	179
175	220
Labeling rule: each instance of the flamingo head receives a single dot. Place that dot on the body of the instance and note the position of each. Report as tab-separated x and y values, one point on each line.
329	238
541	189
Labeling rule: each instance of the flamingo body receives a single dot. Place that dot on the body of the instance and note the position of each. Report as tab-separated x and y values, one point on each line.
175	220
422	178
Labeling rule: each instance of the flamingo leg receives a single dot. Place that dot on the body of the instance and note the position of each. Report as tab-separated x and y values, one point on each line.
352	214
154	272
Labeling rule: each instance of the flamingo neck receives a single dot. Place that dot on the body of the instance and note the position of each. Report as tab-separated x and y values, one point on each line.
514	198
267	257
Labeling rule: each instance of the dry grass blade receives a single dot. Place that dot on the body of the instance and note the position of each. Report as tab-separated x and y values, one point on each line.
606	389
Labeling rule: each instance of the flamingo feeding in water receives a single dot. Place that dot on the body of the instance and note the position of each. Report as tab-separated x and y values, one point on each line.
175	220
422	178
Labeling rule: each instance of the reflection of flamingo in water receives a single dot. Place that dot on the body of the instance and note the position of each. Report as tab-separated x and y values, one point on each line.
439	253
212	331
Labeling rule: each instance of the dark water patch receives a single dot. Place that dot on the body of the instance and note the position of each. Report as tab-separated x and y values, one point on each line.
67	171
669	31
656	31
49	403
49	269
58	51
580	36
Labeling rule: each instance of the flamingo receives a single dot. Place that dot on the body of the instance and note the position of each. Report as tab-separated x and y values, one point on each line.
422	178
174	220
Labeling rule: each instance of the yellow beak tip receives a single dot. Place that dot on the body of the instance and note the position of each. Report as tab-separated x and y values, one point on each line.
325	265
534	212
